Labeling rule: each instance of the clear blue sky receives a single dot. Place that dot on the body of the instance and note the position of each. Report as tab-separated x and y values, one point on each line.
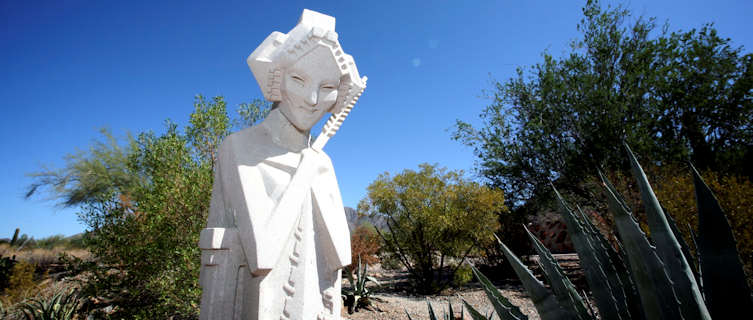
72	67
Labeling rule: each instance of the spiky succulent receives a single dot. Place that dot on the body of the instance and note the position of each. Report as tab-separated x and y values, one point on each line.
645	279
60	306
449	314
357	296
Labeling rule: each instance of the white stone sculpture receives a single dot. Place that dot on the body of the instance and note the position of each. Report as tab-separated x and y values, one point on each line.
277	237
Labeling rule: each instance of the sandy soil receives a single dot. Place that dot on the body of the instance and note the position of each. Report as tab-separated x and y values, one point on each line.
390	302
394	306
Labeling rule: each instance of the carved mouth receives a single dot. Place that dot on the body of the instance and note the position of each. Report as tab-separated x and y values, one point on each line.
312	109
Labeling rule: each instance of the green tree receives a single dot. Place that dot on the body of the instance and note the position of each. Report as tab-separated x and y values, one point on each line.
435	218
144	205
673	96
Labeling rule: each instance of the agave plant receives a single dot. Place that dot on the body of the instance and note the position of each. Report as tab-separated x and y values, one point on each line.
448	315
641	280
357	296
61	306
506	310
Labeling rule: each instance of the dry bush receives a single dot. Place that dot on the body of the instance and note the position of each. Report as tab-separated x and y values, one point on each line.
6	250
44	257
366	243
31	272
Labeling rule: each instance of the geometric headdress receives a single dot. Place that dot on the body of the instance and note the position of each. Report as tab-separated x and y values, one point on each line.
280	50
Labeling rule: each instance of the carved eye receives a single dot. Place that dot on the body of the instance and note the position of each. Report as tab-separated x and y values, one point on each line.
297	78
328	87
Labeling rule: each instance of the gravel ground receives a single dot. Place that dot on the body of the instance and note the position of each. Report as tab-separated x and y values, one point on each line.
394	306
392	302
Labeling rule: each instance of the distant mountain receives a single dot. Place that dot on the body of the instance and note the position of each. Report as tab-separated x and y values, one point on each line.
354	220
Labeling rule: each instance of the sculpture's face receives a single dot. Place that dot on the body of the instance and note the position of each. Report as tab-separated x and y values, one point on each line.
309	88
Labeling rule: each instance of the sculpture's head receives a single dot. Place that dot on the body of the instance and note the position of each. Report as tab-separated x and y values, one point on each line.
306	71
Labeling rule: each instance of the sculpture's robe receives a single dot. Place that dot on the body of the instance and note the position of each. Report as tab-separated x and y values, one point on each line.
275	241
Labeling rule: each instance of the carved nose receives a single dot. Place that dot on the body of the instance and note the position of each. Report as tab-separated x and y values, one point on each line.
311	99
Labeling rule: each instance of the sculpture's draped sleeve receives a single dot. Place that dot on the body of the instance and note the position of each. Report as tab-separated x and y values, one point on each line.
328	201
260	193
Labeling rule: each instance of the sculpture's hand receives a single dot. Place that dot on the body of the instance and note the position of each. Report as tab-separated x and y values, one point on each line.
281	221
313	163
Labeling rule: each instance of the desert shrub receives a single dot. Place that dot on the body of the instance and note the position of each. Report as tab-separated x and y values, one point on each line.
20	283
60	242
40	257
491	258
462	275
144	205
50	242
144	236
435	219
6	270
364	242
389	261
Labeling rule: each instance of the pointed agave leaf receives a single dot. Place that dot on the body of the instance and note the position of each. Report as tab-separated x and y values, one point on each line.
610	186
407	314
684	245
564	290
349	275
604	263
653	284
618	260
699	272
600	273
543	299
614	256
724	284
505	310
669	250
361	274
432	315
451	316
588	304
475	315
374	280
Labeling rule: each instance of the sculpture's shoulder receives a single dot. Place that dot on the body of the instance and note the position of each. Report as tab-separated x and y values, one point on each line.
248	147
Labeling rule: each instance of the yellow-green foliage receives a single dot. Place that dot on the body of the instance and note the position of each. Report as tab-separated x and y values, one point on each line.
463	275
674	189
433	215
21	283
673	185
